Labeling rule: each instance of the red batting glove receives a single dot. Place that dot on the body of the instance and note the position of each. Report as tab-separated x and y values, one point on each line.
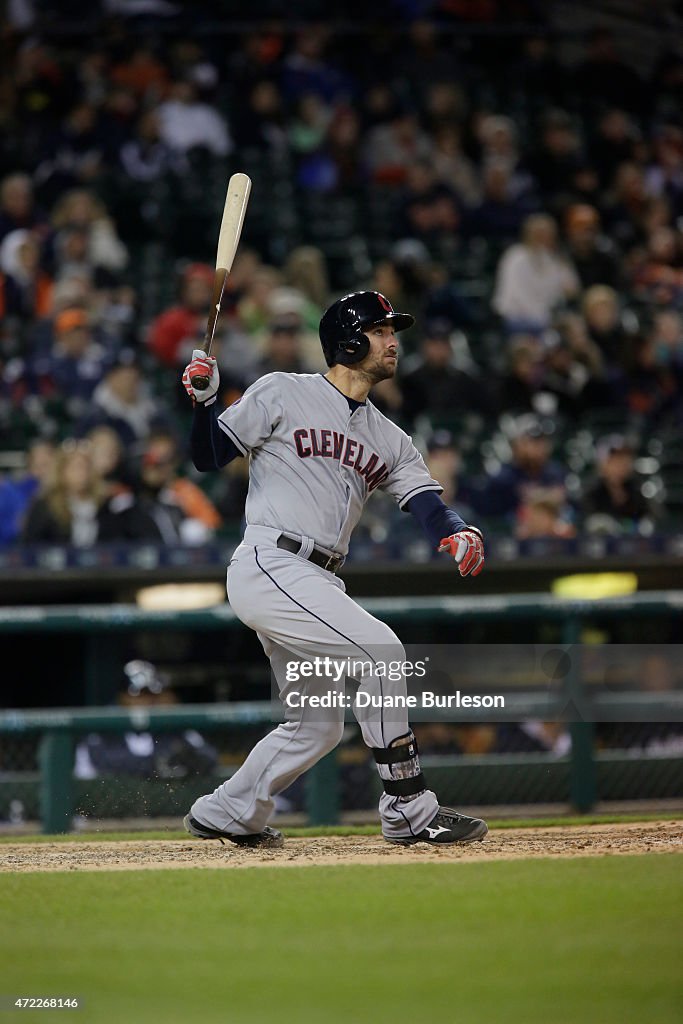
467	548
204	366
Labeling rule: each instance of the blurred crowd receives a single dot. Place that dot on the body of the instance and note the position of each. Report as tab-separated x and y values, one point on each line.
527	210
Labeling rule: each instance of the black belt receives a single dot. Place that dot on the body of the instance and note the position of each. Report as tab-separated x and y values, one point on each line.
318	557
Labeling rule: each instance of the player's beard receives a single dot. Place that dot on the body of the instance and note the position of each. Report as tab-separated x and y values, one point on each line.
380	369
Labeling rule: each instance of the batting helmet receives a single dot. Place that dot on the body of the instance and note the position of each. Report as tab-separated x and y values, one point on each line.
343	324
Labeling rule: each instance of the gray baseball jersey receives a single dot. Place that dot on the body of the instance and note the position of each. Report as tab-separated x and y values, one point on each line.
313	462
313	465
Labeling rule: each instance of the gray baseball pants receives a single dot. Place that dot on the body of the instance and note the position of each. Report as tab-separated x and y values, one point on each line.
299	612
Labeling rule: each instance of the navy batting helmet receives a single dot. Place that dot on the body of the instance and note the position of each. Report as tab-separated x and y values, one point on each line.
342	326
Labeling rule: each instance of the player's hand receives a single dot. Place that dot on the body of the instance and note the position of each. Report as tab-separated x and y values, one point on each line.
204	366
467	548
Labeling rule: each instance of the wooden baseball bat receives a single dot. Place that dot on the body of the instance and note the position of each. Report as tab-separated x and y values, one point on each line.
234	210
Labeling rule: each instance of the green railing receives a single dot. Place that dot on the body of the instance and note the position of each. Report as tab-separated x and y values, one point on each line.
118	618
60	728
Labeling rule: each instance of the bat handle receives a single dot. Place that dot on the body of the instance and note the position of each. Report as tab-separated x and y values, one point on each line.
200	382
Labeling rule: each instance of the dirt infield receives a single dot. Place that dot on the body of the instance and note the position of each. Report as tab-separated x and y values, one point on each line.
502	844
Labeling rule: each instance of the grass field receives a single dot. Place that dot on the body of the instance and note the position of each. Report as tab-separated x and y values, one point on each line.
595	940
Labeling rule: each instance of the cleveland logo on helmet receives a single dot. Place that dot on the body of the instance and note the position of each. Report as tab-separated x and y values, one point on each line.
343	325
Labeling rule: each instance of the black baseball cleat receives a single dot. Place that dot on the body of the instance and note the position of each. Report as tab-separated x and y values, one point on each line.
446	827
269	838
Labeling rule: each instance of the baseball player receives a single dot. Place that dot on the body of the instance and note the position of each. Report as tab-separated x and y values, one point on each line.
317	449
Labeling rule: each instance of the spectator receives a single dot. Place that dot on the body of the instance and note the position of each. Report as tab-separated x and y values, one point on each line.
433	385
42	93
173	334
444	105
123	401
563	376
67	510
143	74
81	209
261	123
591	252
542	514
667	77
256	59
188	123
667	334
626	206
442	299
613	501
427	61
500	214
585	185
659	279
614	144
306	271
664	175
387	397
146	158
71	257
407	275
93	75
539	73
608	327
231	493
604	78
118	315
25	289
161	469
430	209
657	214
344	148
73	291
557	159
444	461
519	384
573	329
17	493
531	466
283	347
253	306
290	306
534	736
291	299
532	279
498	140
453	166
308	70
110	459
308	125
188	59
76	363
437	737
17	206
163	506
393	148
653	384
142	753
119	113
476	739
73	156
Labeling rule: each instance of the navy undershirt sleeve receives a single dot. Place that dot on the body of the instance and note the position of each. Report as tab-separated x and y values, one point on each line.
434	516
210	447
